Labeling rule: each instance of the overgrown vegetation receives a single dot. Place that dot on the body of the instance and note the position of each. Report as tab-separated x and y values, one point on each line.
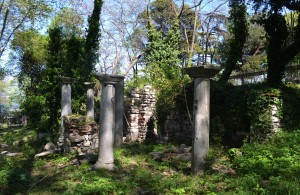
42	59
269	168
243	113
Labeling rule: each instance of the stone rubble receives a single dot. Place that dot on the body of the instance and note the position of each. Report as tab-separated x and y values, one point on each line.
181	153
80	136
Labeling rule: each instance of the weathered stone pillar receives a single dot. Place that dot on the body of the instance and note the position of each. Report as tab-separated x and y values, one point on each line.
119	110
66	107
106	130
111	119
202	75
90	100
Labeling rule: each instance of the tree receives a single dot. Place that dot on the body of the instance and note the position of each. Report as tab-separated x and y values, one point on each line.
254	51
70	56
29	54
163	69
239	29
212	30
204	31
70	22
91	45
283	39
123	36
19	14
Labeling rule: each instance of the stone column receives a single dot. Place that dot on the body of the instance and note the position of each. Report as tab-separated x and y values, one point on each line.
90	100
119	105
111	119
106	130
201	123
66	107
202	75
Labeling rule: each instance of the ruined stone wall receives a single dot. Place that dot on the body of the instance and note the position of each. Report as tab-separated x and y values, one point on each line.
140	114
178	127
80	136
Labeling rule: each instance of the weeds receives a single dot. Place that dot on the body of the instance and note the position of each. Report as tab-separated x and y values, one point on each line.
270	168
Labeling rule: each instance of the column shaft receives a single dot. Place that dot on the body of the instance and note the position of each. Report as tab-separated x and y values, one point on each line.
90	104
118	140
66	107
201	123
106	130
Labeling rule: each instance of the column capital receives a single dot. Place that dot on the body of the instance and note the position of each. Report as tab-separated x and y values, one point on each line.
207	71
89	85
109	79
65	80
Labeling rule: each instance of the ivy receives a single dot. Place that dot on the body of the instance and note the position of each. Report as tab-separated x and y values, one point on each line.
239	29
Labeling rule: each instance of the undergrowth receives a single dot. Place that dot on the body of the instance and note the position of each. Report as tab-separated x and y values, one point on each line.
255	168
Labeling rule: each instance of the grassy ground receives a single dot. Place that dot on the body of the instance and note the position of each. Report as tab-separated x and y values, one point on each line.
138	173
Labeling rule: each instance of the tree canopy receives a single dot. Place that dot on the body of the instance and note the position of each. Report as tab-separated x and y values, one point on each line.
283	39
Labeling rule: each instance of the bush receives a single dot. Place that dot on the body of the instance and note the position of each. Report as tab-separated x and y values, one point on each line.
277	157
34	108
238	112
291	105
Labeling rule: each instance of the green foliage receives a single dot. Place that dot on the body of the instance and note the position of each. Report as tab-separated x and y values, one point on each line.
49	86
34	108
67	54
259	111
92	39
162	69
290	103
29	53
239	28
276	157
20	15
163	13
282	35
239	112
15	171
277	32
254	63
247	170
69	20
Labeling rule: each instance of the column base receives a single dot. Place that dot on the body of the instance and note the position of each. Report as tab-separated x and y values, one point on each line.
107	166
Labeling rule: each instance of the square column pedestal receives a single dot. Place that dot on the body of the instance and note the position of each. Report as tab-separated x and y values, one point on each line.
111	119
201	75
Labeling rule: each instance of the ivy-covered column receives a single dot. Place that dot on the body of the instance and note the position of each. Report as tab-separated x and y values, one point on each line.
202	75
90	100
66	107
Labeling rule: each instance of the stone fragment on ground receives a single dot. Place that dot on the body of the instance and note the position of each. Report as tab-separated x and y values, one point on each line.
13	154
3	146
50	146
4	152
184	157
181	153
46	153
10	154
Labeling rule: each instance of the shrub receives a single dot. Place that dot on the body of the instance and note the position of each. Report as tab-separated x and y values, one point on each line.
277	157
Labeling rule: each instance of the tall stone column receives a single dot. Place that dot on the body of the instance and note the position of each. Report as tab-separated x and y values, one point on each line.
90	100
106	132
110	119
66	107
202	75
201	123
119	106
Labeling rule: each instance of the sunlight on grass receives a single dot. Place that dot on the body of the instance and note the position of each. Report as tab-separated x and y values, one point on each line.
226	172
